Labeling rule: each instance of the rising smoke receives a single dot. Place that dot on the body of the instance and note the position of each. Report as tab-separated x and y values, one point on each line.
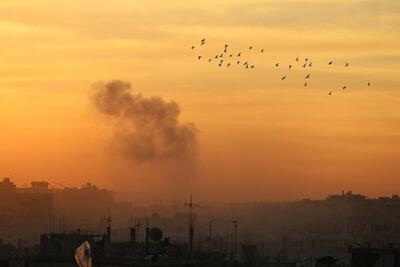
147	129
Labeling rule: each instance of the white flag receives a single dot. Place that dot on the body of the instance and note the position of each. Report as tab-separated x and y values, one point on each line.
83	255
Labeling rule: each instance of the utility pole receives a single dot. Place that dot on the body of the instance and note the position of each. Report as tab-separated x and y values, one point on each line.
190	204
109	227
235	225
284	256
147	235
210	232
210	229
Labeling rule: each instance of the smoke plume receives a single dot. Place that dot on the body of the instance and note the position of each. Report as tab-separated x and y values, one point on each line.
147	129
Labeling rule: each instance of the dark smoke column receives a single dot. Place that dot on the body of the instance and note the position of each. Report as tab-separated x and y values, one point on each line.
146	129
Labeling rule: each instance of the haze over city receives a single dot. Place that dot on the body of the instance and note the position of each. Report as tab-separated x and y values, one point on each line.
83	84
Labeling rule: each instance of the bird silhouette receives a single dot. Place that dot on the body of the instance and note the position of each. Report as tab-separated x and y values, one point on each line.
330	63
228	64
216	56
277	65
306	59
284	77
238	55
347	64
297	58
203	40
308	76
220	64
192	47
246	63
262	50
344	87
305	84
247	66
209	60
252	66
238	62
310	65
199	57
369	84
330	93
221	55
230	55
304	65
290	66
250	47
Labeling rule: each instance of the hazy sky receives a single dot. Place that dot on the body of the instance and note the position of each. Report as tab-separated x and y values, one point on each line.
258	137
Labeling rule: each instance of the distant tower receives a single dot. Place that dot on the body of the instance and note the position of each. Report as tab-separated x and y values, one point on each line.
235	226
133	231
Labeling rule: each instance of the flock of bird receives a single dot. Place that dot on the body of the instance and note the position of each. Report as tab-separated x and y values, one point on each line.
228	58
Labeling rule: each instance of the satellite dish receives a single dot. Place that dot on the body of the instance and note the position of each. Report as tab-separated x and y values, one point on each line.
156	234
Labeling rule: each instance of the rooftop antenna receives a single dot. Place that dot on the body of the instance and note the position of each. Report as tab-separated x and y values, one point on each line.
235	226
191	205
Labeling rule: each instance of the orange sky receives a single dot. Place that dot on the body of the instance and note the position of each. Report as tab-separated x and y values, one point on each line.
259	138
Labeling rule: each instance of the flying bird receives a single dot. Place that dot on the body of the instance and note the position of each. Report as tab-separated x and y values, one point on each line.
304	65
347	64
199	57
310	65
290	66
250	47
203	40
344	87
330	63
284	77
238	55
369	84
247	66
238	62
307	77
306	59
216	56
221	55
305	85
262	50
330	93
192	47
252	66
230	55
228	64
277	65
297	58
246	63
209	60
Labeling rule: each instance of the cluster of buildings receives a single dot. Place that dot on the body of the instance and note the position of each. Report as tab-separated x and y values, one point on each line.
50	222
